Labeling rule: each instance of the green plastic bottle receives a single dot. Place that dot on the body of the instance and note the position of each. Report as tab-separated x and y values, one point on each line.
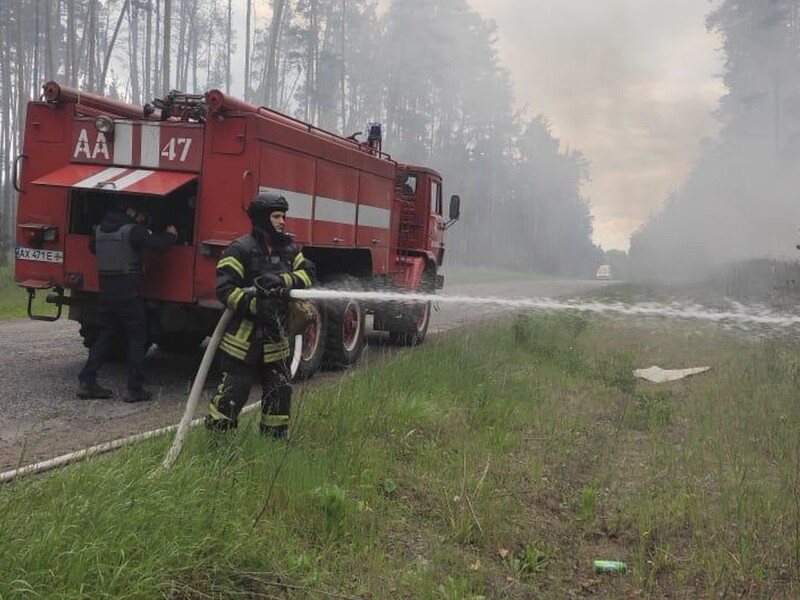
610	566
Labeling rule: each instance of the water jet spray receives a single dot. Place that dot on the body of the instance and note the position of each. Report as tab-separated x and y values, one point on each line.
737	315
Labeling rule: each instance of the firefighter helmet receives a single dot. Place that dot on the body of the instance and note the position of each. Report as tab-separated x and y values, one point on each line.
266	203
262	206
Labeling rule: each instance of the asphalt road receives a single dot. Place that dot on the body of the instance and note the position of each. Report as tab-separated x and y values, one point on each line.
41	417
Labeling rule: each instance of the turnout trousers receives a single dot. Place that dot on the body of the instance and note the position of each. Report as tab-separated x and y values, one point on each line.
237	379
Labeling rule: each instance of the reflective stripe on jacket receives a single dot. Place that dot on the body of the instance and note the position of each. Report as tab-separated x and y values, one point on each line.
241	262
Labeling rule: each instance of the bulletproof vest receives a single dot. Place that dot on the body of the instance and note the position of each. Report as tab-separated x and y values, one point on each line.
115	254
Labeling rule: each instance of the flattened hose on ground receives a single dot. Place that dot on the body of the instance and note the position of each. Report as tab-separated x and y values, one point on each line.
197	388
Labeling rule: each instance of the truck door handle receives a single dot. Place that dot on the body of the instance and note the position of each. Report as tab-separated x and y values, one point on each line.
375	241
16	173
337	240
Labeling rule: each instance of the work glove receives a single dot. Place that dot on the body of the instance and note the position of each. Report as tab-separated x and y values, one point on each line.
268	282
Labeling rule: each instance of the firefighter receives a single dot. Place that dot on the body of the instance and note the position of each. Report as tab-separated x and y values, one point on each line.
117	242
256	338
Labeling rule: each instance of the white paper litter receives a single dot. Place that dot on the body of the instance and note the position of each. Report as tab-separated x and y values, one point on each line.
659	375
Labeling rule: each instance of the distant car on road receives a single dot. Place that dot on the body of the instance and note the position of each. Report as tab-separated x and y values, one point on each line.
603	272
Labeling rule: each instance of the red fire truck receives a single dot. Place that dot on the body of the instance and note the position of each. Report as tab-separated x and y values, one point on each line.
196	161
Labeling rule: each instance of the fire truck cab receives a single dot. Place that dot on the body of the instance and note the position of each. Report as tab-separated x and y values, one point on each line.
367	222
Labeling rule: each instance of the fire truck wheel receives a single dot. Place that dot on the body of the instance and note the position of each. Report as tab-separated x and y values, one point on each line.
417	321
313	345
346	333
180	342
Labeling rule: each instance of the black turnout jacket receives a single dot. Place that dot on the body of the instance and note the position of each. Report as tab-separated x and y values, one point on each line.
243	260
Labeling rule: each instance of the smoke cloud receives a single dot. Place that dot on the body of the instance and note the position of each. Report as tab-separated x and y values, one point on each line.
631	83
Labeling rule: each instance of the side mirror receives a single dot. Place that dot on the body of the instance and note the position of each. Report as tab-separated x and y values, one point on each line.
455	208
455	212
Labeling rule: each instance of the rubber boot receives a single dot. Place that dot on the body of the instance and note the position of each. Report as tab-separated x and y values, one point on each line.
281	432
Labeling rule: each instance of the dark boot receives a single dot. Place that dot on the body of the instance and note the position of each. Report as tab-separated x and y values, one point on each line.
137	396
281	432
93	390
213	424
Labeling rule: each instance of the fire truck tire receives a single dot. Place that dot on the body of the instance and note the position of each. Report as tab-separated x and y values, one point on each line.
180	342
417	320
346	333
313	345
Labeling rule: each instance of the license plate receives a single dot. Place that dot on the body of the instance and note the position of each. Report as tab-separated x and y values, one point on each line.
51	256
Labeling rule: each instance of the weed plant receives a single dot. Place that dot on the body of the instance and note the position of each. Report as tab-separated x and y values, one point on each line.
13	299
496	463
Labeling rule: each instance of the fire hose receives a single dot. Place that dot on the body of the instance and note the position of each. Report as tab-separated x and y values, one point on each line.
197	388
205	365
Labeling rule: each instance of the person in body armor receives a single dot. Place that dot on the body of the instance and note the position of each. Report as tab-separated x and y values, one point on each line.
255	340
117	242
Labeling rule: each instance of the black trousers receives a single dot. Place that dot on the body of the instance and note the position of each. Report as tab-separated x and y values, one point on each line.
234	389
119	313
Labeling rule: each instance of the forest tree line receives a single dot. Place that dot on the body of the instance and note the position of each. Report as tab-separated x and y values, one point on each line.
741	200
428	70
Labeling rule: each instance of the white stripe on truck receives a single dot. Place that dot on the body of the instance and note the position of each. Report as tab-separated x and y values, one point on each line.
335	211
131	178
123	143
373	216
105	175
299	203
151	145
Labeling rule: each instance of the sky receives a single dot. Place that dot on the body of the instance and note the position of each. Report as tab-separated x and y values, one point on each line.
630	83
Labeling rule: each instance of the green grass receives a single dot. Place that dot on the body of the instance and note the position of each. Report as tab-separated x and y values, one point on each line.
496	463
14	299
